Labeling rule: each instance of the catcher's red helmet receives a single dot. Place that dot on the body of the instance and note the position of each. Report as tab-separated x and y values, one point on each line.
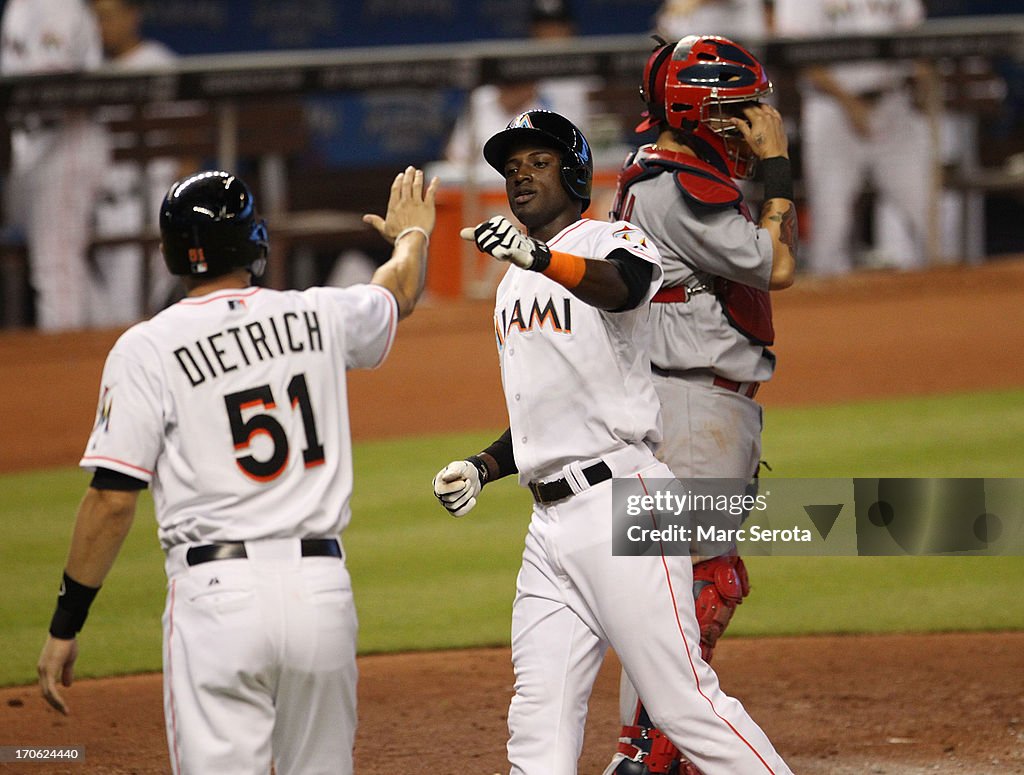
696	86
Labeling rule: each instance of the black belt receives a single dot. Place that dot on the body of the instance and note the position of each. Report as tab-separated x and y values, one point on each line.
557	489
235	550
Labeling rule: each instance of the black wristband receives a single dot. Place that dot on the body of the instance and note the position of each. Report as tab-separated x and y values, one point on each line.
481	467
541	255
777	174
72	608
504	457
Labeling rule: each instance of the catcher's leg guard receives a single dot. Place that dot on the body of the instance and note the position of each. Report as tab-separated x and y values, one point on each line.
650	753
646	750
719	585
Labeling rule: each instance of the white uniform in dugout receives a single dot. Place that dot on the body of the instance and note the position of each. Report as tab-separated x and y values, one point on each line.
210	401
578	388
895	155
58	157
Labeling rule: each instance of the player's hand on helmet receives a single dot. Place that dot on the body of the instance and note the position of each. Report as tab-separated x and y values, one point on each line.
499	237
764	131
457	485
410	206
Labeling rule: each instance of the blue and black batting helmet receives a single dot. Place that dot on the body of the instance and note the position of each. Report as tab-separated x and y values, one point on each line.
551	130
209	226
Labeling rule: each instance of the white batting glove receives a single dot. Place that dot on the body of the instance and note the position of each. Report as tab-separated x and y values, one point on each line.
499	237
456	487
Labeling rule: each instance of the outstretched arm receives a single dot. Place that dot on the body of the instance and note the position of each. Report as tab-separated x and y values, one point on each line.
614	284
617	284
407	225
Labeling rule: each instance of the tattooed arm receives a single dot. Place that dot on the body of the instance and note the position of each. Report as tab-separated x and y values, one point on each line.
778	216
764	133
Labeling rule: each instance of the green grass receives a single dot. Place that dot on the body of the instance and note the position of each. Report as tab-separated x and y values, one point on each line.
37	515
424	580
976	434
970	435
819	595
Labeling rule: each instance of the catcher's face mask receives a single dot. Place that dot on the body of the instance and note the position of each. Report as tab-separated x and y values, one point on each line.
719	119
709	80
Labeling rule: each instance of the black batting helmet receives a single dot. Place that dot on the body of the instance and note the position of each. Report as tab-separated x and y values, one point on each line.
209	226
554	131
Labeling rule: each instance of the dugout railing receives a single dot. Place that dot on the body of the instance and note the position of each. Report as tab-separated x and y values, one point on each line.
247	110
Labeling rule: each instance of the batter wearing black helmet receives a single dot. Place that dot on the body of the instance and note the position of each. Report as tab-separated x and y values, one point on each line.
572	323
232	405
549	169
575	165
209	226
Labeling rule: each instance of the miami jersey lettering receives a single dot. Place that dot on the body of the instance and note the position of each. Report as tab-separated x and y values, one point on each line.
563	347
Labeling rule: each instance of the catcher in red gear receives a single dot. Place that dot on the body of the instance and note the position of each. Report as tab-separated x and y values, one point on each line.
712	320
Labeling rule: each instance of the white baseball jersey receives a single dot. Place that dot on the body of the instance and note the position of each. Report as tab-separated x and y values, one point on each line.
813	18
838	160
557	352
46	36
57	158
128	201
233	405
49	36
739	20
486	114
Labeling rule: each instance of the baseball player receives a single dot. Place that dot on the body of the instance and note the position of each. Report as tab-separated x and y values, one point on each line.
232	405
711	322
57	157
491	107
859	123
741	19
571	319
131	191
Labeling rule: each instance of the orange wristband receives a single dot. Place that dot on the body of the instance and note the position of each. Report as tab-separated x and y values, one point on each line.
566	269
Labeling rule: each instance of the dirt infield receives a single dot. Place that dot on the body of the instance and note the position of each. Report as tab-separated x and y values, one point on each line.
876	704
901	705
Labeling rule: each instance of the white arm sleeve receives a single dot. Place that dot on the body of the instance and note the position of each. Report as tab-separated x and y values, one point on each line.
369	315
128	433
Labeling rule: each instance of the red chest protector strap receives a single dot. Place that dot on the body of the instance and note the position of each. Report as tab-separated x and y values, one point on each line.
748	310
696	180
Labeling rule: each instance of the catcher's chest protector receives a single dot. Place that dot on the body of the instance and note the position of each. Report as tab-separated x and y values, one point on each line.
748	310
